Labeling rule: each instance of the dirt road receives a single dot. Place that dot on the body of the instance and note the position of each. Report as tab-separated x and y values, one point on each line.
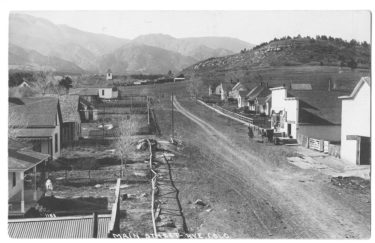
252	196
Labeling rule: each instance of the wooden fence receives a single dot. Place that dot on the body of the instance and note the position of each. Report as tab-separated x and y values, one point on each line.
234	114
114	224
319	145
154	190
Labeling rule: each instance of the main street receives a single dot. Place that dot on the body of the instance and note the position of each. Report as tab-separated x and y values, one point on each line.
251	188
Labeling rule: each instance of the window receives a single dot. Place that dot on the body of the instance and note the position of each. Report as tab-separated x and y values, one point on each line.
56	143
14	179
103	92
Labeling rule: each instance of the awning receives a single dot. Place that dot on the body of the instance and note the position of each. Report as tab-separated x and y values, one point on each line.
35	132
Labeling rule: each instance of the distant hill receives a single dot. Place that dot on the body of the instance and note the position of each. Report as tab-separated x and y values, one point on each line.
288	60
90	52
199	48
30	60
139	58
61	41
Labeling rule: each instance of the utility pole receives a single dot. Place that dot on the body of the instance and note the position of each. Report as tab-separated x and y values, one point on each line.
148	110
172	118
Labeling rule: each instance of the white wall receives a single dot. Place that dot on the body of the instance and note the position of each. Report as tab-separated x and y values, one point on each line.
355	121
108	93
278	100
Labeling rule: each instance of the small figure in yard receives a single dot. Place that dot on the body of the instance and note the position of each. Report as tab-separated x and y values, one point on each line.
49	186
250	133
264	135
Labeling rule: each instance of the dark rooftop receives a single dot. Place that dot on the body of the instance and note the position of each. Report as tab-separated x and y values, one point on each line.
37	111
318	106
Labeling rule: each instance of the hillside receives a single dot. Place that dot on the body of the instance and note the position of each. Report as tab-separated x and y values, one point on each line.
199	48
30	60
288	60
60	41
138	58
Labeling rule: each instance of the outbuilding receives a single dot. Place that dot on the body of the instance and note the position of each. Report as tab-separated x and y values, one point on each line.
356	124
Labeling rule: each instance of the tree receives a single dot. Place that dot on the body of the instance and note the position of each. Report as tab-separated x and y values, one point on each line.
124	143
43	81
170	73
194	86
66	82
352	64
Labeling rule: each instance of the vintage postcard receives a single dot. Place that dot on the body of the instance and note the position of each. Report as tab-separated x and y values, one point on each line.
189	124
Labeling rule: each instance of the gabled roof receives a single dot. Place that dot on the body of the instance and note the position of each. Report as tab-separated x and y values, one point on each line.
37	111
258	91
318	107
263	100
71	227
21	160
69	108
361	82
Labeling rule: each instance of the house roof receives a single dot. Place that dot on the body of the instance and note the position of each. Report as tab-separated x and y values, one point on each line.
84	91
247	86
37	111
362	81
263	100
318	107
258	91
71	227
242	93
69	108
21	160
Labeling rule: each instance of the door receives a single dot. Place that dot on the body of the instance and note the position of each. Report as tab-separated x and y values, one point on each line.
365	151
289	129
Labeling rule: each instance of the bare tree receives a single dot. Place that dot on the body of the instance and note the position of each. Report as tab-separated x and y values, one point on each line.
16	121
124	144
194	86
43	81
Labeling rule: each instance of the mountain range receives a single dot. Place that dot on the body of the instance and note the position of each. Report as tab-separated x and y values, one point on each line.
36	43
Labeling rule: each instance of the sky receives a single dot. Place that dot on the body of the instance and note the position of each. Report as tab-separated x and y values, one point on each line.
250	26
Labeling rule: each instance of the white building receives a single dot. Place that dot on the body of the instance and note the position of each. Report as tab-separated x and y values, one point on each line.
109	74
108	93
356	124
24	84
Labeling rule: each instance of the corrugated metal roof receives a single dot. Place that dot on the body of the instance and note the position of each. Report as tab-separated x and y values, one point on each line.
72	227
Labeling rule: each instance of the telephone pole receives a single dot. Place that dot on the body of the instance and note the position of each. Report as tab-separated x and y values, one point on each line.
172	118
